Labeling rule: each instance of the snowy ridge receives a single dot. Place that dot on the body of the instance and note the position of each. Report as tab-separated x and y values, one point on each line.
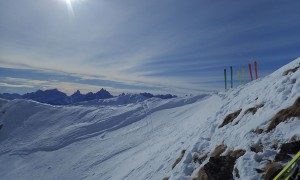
74	122
133	138
276	92
119	100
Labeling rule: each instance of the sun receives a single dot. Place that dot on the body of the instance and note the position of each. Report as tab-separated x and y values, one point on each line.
70	3
70	7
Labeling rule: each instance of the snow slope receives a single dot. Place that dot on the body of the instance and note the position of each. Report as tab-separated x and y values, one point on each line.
142	140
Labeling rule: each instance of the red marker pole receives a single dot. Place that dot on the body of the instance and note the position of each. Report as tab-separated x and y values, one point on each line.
255	67
250	70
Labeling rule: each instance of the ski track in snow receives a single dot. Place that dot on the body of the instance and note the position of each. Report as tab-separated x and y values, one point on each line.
142	140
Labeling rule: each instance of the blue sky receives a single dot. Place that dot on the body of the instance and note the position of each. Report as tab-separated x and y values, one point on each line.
160	46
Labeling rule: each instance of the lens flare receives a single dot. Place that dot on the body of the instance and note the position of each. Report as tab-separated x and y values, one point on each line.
70	7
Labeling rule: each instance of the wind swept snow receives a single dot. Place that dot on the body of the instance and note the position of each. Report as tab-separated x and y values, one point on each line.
143	139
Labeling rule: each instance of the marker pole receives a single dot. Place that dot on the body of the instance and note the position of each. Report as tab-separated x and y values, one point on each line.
250	70
225	79
239	77
231	76
244	75
255	67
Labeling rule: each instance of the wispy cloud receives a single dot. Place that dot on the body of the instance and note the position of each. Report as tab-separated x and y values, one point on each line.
15	85
139	45
67	87
71	87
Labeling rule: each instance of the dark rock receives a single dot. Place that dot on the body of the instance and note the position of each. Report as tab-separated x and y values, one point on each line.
220	168
1	125
253	109
285	114
258	131
201	175
179	158
257	148
290	148
218	150
237	153
237	173
294	138
272	170
274	145
282	157
199	159
230	117
292	70
259	170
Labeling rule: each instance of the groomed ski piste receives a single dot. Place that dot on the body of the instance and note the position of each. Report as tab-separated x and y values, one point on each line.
143	140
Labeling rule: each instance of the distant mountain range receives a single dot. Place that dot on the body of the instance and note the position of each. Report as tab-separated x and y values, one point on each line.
56	97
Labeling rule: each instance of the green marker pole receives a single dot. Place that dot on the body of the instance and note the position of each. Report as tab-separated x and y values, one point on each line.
231	76
239	77
225	79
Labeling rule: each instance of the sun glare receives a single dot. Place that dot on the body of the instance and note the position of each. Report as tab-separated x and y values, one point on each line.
70	7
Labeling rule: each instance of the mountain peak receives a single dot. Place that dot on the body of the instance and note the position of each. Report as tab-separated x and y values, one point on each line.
52	90
50	96
102	90
56	97
103	94
76	93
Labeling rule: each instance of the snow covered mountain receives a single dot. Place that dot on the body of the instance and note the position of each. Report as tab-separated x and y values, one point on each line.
10	96
51	96
56	97
235	134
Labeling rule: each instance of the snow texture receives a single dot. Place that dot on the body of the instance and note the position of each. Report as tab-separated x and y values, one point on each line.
134	138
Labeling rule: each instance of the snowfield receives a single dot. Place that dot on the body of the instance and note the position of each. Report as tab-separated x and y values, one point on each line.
142	138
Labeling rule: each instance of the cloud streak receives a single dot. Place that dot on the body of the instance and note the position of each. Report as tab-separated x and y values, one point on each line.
147	44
